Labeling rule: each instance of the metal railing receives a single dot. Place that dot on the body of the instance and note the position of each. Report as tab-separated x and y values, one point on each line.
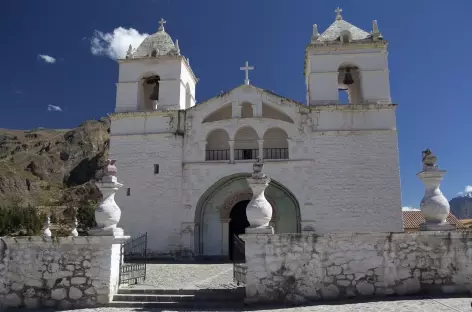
239	260
134	251
217	154
247	154
275	153
241	154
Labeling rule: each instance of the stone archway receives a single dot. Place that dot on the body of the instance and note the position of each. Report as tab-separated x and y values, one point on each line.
212	215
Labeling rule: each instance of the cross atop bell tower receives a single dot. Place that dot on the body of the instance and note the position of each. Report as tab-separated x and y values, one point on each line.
161	24
338	13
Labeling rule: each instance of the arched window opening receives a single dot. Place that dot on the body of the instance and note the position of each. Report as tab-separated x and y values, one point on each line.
150	92
217	147
245	144
345	36
349	85
275	144
247	110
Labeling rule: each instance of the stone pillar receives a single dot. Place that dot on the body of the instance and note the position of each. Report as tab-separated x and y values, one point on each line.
259	210
108	214
225	235
261	148
290	147
231	151
434	205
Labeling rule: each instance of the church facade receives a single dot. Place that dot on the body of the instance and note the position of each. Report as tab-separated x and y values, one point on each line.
334	167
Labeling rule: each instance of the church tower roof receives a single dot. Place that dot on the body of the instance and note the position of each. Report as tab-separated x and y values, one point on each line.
339	26
159	43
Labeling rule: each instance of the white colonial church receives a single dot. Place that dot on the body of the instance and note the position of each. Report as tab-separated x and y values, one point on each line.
334	167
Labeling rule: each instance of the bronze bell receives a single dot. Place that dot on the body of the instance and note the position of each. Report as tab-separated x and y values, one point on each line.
348	77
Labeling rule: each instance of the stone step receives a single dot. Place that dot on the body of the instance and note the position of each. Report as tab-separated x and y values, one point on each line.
240	291
174	298
196	305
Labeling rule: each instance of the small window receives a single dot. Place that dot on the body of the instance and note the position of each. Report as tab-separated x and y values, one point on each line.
156	169
128	192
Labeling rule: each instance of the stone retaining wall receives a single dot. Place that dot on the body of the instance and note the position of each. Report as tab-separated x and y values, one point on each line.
66	272
304	267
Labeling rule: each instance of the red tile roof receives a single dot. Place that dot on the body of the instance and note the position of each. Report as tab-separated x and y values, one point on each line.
413	219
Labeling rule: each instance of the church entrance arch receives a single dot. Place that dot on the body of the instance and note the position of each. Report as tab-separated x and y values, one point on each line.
221	212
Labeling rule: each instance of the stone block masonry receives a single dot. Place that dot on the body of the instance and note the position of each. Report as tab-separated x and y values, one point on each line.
300	268
66	272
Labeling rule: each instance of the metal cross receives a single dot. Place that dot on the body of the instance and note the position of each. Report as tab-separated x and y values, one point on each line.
162	22
338	13
247	68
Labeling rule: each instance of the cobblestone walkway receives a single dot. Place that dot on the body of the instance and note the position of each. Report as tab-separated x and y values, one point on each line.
419	305
190	276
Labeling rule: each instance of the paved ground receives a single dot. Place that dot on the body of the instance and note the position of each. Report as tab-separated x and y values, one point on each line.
190	276
419	305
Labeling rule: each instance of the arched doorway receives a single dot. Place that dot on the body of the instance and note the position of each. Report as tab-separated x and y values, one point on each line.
214	210
237	224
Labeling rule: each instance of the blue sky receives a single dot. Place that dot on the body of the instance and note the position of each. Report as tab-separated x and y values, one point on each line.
429	55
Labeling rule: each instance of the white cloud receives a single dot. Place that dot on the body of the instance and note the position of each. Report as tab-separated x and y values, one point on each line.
47	58
409	208
54	108
467	190
116	44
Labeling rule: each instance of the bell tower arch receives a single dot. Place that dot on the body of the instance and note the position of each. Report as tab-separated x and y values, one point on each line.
347	59
155	76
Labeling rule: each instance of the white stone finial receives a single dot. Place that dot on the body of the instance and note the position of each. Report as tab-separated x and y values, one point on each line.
375	27
177	48
246	68
46	229
161	24
375	30
338	13
316	34
108	214
259	210
434	205
74	232
129	54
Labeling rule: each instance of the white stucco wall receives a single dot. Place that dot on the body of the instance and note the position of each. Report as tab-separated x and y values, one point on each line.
299	268
343	167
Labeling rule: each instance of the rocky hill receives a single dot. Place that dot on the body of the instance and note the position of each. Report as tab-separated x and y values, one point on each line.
461	206
48	167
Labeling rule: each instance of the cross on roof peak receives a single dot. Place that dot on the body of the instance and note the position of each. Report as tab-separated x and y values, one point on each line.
338	13
161	24
247	68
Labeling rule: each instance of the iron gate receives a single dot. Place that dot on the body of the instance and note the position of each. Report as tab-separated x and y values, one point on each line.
133	260
239	260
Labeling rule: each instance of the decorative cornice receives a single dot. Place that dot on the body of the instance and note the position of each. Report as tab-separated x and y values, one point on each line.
350	132
352	107
123	115
336	45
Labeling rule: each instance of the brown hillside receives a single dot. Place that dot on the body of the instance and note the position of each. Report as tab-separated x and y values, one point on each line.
43	166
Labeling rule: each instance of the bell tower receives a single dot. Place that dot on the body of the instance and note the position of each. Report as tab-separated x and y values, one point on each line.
347	59
155	76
